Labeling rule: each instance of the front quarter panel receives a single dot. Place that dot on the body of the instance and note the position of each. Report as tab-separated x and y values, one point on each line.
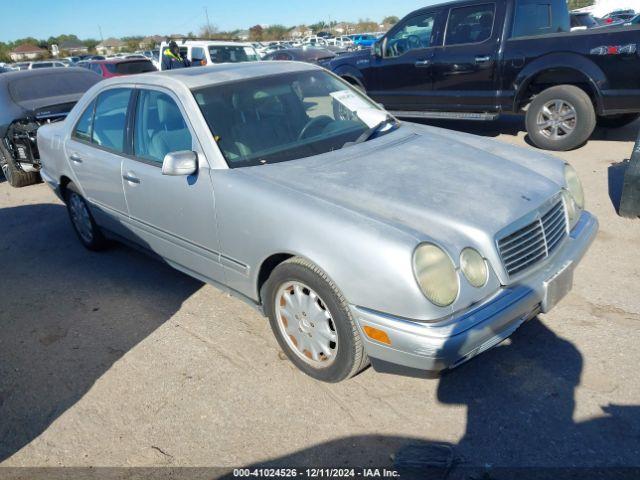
371	262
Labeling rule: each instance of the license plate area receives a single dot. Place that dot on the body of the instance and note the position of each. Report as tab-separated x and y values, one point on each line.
557	287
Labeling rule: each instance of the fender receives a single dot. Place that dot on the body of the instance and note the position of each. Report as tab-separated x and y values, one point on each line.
565	61
351	72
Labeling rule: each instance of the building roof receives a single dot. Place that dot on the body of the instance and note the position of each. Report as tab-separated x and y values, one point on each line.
26	48
111	42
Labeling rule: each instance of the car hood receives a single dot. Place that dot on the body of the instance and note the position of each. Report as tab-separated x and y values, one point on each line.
427	181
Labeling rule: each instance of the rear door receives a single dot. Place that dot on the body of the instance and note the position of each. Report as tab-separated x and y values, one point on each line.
172	216
465	75
401	79
95	151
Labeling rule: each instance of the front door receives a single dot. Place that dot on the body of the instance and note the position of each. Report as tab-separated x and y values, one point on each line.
95	152
171	216
465	68
401	78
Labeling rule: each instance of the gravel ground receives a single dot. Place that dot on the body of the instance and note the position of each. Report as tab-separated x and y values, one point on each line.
115	359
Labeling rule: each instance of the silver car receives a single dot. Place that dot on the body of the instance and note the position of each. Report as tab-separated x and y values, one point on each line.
363	240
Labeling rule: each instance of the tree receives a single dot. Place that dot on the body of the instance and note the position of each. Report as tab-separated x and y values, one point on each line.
275	32
391	20
573	4
209	31
365	26
256	33
132	43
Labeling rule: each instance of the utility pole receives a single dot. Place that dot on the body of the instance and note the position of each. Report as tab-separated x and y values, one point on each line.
206	13
101	37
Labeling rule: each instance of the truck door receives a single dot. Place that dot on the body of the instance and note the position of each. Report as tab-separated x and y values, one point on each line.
465	74
400	75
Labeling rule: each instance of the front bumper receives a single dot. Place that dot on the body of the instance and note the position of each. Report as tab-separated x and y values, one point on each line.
428	348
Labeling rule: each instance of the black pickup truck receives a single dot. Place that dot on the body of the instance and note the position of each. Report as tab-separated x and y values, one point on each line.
476	59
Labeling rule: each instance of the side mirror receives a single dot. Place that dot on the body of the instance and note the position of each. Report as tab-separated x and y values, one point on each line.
378	48
177	164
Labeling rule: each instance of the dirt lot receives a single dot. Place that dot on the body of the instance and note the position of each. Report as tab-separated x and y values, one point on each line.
115	359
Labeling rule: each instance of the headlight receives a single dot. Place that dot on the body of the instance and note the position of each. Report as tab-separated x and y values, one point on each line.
574	185
436	274
474	267
572	209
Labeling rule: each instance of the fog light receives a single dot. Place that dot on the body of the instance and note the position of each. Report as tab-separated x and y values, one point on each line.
377	335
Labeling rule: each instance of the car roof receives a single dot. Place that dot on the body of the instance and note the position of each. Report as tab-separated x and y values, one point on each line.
209	43
198	77
119	60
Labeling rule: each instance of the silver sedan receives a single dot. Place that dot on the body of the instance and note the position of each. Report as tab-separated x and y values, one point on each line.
363	240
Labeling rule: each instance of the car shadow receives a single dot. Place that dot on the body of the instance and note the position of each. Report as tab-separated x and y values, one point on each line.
520	404
514	125
67	315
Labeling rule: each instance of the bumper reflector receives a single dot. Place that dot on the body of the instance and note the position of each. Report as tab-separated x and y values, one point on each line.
377	335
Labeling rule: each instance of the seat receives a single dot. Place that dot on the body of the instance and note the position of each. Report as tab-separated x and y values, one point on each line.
173	136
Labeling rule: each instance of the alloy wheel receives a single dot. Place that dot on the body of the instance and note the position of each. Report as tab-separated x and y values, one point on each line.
557	119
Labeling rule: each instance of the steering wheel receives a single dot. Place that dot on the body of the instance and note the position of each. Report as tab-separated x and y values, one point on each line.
313	124
414	42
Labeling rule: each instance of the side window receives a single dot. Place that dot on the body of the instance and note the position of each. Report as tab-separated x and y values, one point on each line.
83	127
414	34
472	24
198	56
110	119
96	68
160	127
540	17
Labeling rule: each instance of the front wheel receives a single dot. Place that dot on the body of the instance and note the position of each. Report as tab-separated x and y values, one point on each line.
83	223
560	118
15	176
312	322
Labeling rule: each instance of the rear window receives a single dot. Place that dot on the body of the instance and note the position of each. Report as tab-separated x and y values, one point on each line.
540	17
232	54
131	68
51	84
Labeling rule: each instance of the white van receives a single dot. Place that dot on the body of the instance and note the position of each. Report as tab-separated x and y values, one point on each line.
210	52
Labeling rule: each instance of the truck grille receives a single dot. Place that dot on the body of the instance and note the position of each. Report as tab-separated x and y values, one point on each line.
535	242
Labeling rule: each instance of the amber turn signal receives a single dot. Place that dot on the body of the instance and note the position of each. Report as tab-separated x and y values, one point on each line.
377	335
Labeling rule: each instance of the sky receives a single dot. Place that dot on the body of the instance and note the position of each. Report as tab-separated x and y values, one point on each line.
120	18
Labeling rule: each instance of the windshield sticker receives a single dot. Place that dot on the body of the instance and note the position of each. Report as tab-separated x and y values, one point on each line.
358	105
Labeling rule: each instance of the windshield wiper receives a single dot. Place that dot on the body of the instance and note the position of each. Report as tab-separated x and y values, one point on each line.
373	131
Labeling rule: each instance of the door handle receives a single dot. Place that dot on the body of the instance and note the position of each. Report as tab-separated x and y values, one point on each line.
423	63
485	59
131	179
75	158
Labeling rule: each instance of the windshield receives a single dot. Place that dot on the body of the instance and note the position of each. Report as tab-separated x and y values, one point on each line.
130	68
232	54
287	117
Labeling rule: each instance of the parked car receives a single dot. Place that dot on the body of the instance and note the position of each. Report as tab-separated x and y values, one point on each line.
28	100
45	64
6	69
208	52
342	42
117	67
634	21
302	54
364	41
618	17
454	61
314	41
360	238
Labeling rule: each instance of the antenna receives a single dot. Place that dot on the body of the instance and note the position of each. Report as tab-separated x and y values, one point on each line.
101	37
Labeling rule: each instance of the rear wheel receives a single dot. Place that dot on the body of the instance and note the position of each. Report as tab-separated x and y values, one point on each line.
560	118
83	223
312	322
617	121
15	176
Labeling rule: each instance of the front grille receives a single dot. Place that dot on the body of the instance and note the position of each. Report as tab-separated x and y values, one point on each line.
535	242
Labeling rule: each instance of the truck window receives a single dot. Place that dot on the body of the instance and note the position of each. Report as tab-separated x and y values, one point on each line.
540	17
472	24
414	34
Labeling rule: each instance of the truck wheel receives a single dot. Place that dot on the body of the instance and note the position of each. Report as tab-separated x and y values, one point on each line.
617	121
312	322
560	118
83	223
14	175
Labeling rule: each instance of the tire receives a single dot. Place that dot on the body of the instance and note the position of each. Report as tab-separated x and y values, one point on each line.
82	221
569	134
617	121
322	303
14	175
